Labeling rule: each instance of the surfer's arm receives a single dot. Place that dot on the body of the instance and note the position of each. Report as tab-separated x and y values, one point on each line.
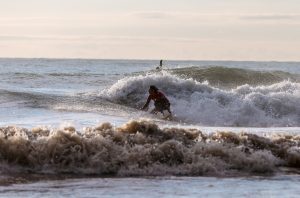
147	103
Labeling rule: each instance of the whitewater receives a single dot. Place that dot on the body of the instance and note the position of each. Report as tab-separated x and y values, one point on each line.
78	122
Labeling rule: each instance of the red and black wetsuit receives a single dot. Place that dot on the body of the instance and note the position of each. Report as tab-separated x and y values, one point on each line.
161	102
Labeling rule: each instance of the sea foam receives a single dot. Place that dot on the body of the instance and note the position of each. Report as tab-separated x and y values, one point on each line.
141	148
200	103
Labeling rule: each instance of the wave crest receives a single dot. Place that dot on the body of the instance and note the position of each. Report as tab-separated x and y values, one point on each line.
141	148
200	103
233	77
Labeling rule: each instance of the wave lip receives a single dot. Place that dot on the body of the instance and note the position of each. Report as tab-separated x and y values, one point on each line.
141	148
276	105
232	77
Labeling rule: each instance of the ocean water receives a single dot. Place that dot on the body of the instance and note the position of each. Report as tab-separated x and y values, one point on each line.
74	125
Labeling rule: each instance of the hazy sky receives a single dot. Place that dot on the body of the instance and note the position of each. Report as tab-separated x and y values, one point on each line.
151	29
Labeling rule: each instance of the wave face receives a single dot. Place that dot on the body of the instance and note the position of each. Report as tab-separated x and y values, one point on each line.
233	77
200	103
67	103
141	148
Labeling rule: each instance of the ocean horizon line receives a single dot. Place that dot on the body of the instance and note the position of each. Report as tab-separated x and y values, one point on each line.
146	59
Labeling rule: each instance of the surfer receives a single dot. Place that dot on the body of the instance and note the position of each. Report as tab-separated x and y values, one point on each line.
161	102
160	65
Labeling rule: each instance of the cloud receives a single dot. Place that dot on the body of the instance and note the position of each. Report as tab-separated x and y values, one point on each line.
30	38
218	16
95	39
271	17
153	15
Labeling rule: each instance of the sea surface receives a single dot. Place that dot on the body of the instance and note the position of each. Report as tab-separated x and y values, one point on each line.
74	128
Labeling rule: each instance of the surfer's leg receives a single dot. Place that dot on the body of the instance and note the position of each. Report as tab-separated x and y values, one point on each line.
154	111
169	116
168	108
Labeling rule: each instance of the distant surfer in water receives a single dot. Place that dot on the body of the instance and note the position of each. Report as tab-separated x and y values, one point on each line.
160	65
161	102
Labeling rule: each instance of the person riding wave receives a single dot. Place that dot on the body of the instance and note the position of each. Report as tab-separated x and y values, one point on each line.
161	102
160	67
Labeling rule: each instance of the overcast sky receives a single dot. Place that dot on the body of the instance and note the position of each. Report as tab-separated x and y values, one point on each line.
151	29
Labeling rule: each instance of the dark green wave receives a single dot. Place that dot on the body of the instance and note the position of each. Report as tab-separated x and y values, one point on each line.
232	77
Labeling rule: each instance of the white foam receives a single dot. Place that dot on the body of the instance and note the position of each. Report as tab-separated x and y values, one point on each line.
199	103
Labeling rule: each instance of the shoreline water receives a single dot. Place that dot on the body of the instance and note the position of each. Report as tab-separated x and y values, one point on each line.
248	124
152	187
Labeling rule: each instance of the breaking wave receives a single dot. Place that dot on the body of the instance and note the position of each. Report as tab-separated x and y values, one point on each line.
141	148
200	103
232	77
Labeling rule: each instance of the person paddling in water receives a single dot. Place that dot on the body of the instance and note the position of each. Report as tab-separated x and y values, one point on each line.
160	65
161	102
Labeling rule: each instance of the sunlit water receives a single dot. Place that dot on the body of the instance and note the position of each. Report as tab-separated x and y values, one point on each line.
281	186
55	93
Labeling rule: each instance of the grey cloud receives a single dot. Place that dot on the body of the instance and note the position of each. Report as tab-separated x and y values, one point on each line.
31	38
258	16
271	17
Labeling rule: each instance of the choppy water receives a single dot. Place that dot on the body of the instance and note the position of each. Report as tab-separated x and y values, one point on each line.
232	119
160	187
